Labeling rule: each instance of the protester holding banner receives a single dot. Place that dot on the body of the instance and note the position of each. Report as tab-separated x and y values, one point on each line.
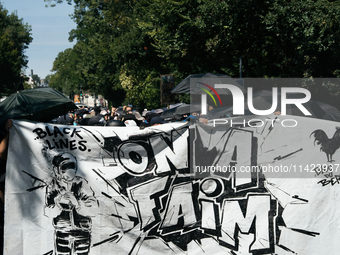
4	133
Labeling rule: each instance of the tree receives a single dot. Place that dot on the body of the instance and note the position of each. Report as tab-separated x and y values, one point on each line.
47	79
15	36
36	80
27	85
66	78
128	44
302	36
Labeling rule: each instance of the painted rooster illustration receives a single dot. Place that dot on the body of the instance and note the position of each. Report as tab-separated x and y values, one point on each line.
328	145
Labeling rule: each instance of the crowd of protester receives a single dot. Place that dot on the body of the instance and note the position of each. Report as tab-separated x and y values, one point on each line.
124	116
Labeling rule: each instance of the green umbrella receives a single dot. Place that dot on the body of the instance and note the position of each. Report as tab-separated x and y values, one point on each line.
40	104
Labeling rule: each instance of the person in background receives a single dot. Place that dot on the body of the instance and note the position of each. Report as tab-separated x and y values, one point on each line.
144	112
150	115
65	119
192	117
107	116
97	119
130	120
113	112
76	119
89	114
128	110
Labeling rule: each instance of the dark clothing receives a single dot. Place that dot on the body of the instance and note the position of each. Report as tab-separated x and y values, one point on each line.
95	120
130	116
84	122
2	171
97	110
64	120
3	133
151	115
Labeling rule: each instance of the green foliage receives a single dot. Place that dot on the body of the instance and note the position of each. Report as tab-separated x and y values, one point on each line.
123	46
27	85
36	80
47	78
15	36
67	77
303	35
143	93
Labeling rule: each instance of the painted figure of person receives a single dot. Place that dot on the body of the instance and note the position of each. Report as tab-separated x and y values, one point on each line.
72	202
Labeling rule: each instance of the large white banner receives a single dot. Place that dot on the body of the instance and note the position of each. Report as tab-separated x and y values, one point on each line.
265	186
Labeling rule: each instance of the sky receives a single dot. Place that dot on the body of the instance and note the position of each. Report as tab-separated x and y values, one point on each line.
50	31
